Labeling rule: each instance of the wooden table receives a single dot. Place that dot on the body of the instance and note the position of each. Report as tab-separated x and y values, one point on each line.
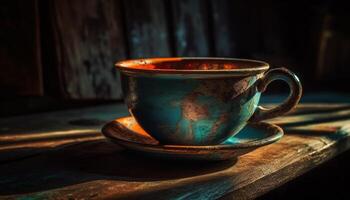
62	155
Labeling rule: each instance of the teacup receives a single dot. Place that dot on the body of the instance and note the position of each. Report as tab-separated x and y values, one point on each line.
200	101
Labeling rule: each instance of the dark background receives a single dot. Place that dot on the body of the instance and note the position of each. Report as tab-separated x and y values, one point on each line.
58	54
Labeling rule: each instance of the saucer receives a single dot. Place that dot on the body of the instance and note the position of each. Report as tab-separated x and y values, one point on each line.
127	133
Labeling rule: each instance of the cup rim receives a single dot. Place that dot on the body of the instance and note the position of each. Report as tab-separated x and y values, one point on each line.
127	66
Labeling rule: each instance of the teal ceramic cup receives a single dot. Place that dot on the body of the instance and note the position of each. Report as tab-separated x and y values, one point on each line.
200	101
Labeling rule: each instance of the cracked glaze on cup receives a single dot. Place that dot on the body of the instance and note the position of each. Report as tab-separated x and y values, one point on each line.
200	101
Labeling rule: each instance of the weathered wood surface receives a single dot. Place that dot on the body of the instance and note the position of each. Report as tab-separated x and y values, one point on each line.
20	49
146	24
77	42
88	41
67	158
49	130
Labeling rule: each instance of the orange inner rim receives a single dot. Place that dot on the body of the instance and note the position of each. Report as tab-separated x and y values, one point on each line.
171	64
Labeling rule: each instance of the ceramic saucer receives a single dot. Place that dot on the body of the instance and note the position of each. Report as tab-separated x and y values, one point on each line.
127	133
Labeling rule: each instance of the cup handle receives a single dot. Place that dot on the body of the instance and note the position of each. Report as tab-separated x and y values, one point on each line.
295	87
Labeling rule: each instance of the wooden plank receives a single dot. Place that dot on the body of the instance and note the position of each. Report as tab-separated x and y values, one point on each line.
222	27
189	18
147	29
100	170
97	169
20	49
82	119
33	134
89	40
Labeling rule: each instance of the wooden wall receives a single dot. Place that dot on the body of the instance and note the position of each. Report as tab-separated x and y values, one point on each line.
88	38
81	40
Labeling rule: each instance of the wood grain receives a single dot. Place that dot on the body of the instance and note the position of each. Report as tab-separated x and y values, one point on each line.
147	29
96	169
189	18
51	130
89	40
20	49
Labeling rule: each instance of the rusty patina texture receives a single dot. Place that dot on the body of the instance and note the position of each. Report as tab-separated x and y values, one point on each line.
199	101
193	111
